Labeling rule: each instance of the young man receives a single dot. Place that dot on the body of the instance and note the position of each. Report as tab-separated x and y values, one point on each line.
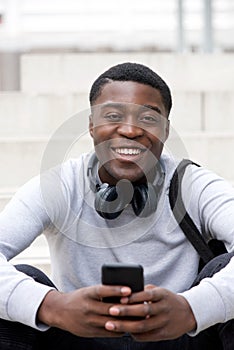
113	206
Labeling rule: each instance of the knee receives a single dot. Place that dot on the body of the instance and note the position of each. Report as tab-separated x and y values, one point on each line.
213	266
35	273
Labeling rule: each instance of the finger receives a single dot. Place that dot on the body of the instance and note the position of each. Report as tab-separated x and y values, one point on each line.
125	300
102	291
98	321
100	331
137	327
142	310
150	294
138	310
150	286
92	298
124	326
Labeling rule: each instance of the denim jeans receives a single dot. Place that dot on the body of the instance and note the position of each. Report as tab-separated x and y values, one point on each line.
17	336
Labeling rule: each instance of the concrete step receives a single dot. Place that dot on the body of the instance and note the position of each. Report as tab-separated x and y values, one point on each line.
28	115
46	73
21	159
211	150
210	111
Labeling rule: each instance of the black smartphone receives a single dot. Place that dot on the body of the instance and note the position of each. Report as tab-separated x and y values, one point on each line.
131	275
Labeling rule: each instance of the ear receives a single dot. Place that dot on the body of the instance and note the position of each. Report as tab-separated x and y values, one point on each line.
91	125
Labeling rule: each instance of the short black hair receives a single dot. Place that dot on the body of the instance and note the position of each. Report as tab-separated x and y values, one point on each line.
132	72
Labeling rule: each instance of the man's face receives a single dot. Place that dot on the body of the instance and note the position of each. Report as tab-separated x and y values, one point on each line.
129	126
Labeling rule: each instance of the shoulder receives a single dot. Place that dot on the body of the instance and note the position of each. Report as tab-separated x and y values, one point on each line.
193	173
197	182
69	170
67	174
206	180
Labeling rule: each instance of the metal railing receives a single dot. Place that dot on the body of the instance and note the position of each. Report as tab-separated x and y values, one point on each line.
171	25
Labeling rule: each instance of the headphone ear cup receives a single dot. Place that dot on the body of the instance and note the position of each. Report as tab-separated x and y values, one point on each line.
145	200
139	199
110	201
104	202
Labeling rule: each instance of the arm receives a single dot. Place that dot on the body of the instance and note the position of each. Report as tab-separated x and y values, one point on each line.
212	301
36	205
210	201
20	295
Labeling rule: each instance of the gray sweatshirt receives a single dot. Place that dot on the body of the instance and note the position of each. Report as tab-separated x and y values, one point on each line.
59	203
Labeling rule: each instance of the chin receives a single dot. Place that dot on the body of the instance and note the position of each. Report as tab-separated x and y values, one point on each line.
117	173
132	177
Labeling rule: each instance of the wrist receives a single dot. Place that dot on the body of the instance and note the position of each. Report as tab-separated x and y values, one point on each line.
49	310
190	320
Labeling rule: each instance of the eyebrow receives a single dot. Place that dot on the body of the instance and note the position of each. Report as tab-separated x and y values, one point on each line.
122	105
119	105
154	108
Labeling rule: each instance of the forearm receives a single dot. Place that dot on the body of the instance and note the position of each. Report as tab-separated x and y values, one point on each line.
49	311
212	301
20	295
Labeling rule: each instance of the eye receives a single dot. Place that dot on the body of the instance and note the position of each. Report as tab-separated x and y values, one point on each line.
150	119
114	117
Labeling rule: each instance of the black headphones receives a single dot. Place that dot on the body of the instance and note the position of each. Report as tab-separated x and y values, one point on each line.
110	200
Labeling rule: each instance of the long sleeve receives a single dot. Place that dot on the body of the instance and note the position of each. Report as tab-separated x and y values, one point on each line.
20	223
20	296
212	301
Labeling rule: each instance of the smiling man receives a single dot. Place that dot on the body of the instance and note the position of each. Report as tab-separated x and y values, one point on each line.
130	122
113	206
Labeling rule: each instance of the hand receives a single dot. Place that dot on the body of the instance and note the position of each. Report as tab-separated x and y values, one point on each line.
81	312
165	315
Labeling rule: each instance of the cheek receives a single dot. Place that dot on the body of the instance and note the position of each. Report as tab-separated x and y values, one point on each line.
158	135
155	136
101	133
96	134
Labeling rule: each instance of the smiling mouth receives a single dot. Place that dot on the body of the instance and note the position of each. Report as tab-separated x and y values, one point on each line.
128	151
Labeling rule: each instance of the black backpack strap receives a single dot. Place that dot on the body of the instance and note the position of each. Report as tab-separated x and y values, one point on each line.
184	220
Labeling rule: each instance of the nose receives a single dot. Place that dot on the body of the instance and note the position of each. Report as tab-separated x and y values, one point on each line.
130	130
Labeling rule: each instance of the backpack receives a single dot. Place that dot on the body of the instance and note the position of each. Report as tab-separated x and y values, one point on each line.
207	251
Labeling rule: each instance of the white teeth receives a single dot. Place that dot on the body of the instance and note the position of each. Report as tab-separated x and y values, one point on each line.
128	151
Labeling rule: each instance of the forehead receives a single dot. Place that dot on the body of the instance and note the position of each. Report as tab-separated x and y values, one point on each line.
130	92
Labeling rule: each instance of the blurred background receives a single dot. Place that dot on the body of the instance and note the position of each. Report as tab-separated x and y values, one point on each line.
51	51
